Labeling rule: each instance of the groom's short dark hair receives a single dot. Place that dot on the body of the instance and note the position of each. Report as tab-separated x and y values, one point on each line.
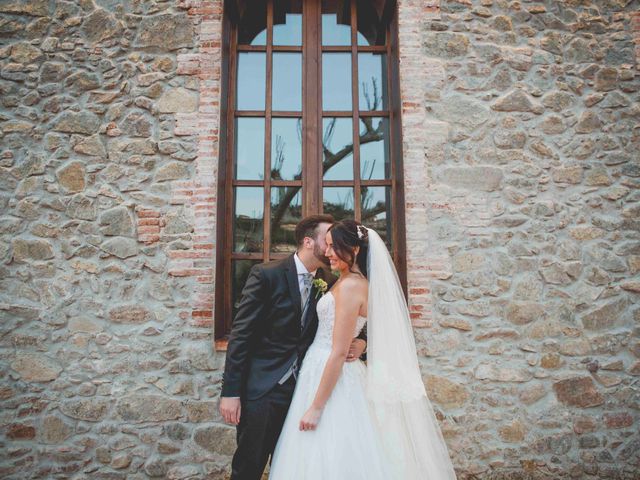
307	227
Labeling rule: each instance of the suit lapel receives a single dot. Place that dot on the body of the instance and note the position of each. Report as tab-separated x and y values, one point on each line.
292	280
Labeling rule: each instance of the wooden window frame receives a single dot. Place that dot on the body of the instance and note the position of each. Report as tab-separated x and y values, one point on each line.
312	182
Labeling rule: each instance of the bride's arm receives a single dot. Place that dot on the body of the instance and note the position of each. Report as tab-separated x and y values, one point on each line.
348	303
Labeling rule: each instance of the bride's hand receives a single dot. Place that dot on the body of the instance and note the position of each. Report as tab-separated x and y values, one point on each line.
310	419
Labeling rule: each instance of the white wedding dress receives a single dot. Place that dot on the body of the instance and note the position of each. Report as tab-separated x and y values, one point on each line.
378	422
345	444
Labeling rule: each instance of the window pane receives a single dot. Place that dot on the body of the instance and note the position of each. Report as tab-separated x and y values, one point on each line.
249	154
287	81
287	22
240	269
370	28
286	211
336	22
251	81
337	143
374	148
372	81
336	81
286	148
252	27
376	211
247	220
338	201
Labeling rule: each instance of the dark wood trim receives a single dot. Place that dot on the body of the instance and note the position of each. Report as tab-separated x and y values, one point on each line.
264	48
364	183
246	256
311	182
221	305
361	113
395	144
266	208
251	48
374	113
355	104
312	98
349	48
286	183
282	48
262	113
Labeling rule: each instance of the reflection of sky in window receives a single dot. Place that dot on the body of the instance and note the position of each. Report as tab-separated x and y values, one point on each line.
249	148
287	81
374	156
336	81
372	66
334	33
289	33
341	137
251	81
249	202
260	39
286	147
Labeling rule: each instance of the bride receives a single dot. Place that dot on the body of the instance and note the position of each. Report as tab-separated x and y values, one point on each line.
348	421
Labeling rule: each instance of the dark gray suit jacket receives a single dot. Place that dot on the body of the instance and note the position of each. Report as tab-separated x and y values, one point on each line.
267	334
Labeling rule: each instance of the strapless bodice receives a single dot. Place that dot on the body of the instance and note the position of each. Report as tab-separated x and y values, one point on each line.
326	308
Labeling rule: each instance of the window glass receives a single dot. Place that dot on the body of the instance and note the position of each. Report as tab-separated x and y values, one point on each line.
251	80
248	219
287	22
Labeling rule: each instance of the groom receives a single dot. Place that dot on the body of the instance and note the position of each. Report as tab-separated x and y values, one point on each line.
272	330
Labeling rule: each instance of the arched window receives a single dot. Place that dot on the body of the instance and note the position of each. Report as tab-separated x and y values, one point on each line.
311	124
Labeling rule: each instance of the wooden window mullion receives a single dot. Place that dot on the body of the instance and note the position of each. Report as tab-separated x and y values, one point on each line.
266	222
355	109
311	108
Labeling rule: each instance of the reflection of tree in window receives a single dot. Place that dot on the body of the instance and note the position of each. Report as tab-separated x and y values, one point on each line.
250	229
372	104
341	206
278	157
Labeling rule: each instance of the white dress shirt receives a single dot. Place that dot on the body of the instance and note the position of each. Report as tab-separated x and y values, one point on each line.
301	269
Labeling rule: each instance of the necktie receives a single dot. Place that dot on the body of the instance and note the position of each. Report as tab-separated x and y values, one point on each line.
307	278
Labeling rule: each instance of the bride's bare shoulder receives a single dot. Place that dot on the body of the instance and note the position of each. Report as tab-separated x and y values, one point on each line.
353	285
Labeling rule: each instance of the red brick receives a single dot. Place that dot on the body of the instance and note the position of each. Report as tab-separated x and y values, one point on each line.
148	229
186	272
148	221
201	322
188	254
418	291
147	213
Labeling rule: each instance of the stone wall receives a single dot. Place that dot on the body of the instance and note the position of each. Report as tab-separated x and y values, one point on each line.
521	118
108	128
520	145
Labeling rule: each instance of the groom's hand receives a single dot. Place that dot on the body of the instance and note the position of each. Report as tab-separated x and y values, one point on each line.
356	349
230	409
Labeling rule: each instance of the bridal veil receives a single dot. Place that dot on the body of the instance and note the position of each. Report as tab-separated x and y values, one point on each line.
409	429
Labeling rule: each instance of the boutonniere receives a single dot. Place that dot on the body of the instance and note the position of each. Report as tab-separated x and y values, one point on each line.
321	286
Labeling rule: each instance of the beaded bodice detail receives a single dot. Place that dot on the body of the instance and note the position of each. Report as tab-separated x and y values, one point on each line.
326	308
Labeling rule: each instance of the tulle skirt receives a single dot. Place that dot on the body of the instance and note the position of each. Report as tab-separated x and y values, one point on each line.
345	445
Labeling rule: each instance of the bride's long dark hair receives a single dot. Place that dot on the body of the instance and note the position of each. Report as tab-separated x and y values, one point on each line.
347	235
